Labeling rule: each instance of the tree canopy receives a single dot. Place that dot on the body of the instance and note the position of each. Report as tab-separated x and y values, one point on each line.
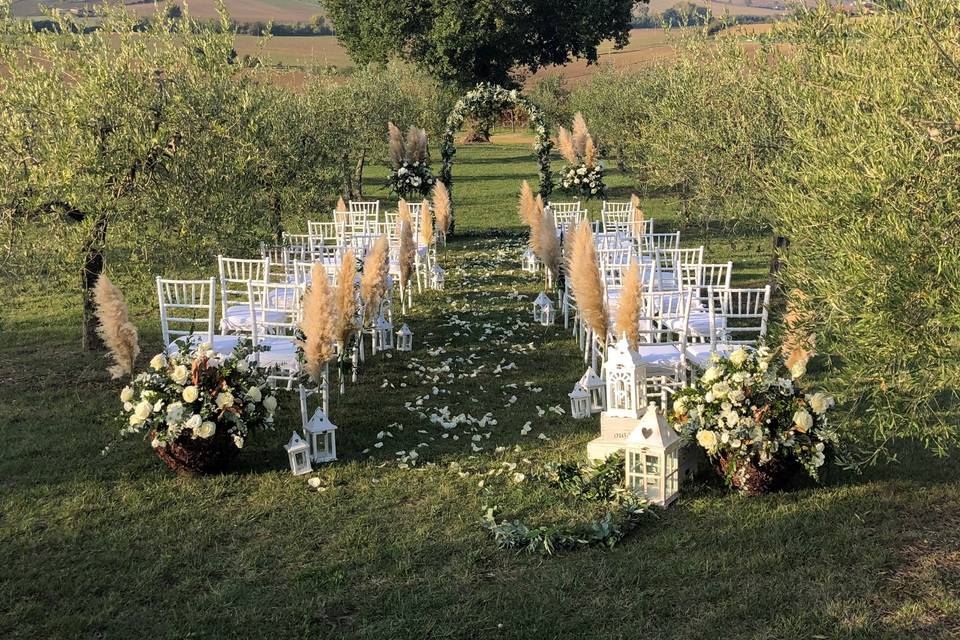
469	41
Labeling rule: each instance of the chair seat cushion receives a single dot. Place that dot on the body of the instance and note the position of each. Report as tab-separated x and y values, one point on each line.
220	343
659	358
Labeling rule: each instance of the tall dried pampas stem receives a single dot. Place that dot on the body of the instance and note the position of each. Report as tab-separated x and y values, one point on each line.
627	318
590	152
318	324
373	282
346	302
408	251
396	145
546	244
799	345
566	148
586	282
114	328
441	209
423	149
580	135
639	228
526	206
340	212
426	224
411	147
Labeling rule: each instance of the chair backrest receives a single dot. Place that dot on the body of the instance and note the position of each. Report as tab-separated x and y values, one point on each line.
650	243
565	207
679	267
322	233
279	260
186	308
746	312
665	317
298	245
617	217
302	272
276	310
234	275
363	215
567	214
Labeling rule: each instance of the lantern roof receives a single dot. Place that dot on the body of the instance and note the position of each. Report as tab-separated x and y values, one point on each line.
653	431
404	331
543	300
383	323
590	379
320	423
296	443
436	268
578	392
622	354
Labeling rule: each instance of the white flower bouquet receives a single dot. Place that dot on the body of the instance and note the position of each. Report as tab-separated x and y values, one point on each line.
198	407
751	416
583	180
410	179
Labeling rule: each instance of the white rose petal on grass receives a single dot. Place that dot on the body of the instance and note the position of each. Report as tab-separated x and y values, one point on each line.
519	477
314	482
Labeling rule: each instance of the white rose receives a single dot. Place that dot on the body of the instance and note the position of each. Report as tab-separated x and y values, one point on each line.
126	395
174	413
224	400
180	374
739	356
193	422
798	369
205	430
679	408
720	390
156	444
802	421
143	410
707	439
254	394
243	366
711	374
158	362
270	404
190	394
820	402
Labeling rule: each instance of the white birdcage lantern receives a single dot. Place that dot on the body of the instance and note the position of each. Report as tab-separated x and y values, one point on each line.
541	302
579	402
548	316
321	437
436	277
595	387
299	453
625	376
652	466
530	264
384	329
404	339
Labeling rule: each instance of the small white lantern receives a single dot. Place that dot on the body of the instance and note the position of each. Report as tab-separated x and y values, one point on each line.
595	387
384	329
625	376
541	302
436	277
548	316
652	466
322	437
530	264
404	339
299	452
579	402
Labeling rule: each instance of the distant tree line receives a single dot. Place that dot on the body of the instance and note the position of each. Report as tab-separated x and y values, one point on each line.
685	14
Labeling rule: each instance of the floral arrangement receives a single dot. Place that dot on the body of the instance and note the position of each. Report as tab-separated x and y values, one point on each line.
749	413
482	101
583	174
410	163
199	394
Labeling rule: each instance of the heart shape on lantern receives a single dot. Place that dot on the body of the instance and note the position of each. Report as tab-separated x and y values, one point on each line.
647	432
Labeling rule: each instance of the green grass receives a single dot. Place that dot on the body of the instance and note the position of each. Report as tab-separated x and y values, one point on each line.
117	547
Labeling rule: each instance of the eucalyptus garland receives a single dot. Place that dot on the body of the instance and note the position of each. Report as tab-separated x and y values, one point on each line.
486	101
600	483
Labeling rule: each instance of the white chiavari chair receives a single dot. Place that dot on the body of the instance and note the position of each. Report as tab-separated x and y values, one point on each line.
617	217
276	310
234	275
363	215
737	318
298	245
279	259
188	314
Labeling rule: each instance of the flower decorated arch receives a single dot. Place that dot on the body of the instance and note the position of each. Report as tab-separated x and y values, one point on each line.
487	100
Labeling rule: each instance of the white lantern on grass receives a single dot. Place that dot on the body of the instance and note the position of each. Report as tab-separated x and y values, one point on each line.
322	437
299	453
541	303
404	339
384	329
530	264
625	376
652	466
436	277
595	387
579	402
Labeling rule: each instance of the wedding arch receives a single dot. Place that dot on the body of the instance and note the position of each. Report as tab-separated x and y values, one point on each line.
487	100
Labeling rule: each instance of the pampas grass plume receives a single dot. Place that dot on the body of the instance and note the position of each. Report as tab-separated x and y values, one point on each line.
545	243
580	135
408	250
586	282
627	318
527	205
114	328
566	148
396	145
441	208
318	323
373	282
346	300
426	224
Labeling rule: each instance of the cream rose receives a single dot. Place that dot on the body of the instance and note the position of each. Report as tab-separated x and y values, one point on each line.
270	404
739	356
158	362
798	369
180	374
225	400
254	394
190	394
711	374
820	402
707	439
126	395
143	410
802	421
193	422
205	430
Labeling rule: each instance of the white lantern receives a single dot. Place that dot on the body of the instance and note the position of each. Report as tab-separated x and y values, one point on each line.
541	302
548	316
653	459
299	453
625	376
384	329
322	437
595	387
530	264
579	402
404	339
436	277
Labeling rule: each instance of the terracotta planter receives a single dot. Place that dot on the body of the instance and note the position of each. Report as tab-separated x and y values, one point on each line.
753	479
198	456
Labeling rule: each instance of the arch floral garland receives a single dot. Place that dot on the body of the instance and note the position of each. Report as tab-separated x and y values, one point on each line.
488	99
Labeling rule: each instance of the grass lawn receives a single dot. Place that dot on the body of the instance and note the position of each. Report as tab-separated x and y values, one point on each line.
117	547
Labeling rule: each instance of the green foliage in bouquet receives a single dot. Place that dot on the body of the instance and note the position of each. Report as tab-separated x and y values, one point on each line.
748	412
